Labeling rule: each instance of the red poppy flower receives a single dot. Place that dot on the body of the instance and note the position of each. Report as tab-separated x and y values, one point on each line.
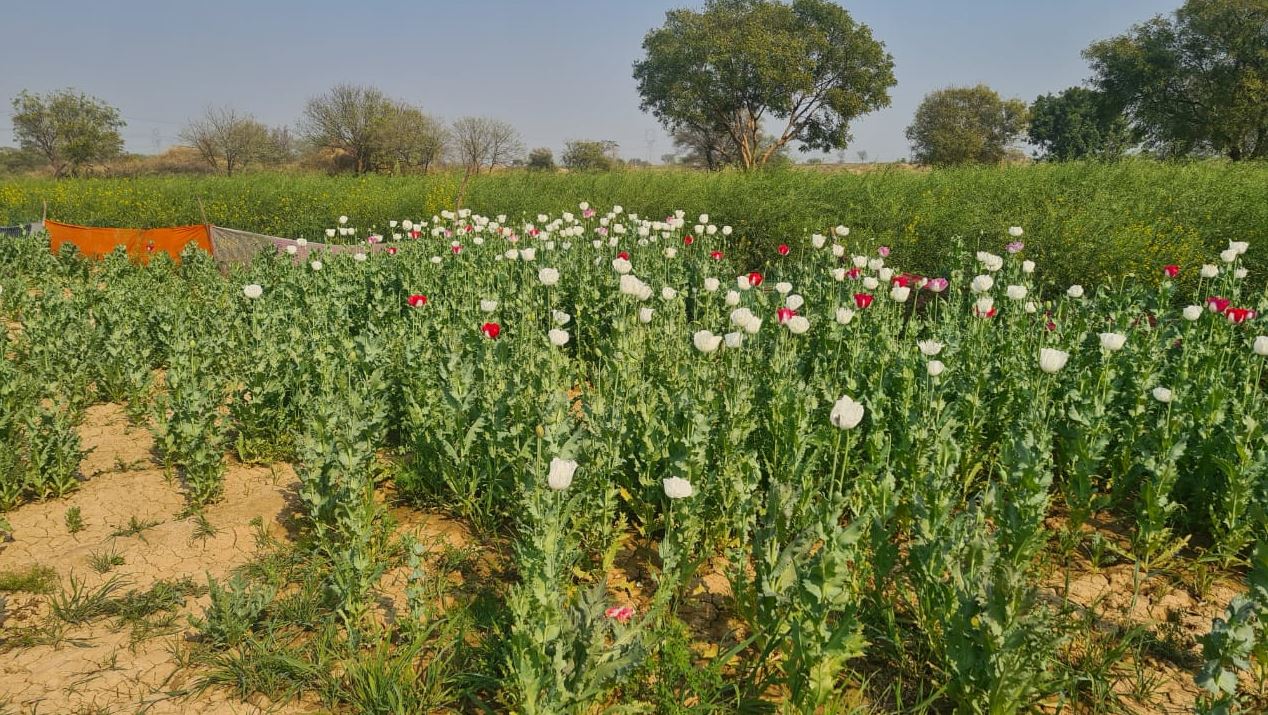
623	255
1051	326
784	249
755	279
1238	315
715	255
391	250
1217	304
988	314
456	249
491	330
688	240
1171	269
621	614
417	300
854	273
862	300
415	234
784	314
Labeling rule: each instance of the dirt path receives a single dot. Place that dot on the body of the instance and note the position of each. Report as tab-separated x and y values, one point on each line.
98	666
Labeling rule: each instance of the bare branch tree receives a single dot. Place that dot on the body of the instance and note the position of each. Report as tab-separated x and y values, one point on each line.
480	141
228	140
348	119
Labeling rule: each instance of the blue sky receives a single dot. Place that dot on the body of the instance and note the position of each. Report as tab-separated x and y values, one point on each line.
556	69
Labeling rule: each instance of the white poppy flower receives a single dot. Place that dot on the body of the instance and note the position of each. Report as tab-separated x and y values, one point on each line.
726	230
783	287
844	316
1015	231
870	283
935	367
645	315
1208	271
316	265
846	413
252	291
1052	360
558	338
1192	312
560	317
548	276
560	475
838	274
622	266
733	340
981	284
1016	292
705	341
841	231
1075	291
667	293
929	348
794	301
343	219
488	306
677	488
818	240
732	298
1260	346
1027	266
712	284
899	294
1112	342
1162	394
798	324
359	257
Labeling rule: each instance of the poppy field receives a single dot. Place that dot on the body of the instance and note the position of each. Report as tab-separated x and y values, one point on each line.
593	461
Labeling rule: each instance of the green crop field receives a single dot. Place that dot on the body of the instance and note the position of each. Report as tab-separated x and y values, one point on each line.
975	441
1086	221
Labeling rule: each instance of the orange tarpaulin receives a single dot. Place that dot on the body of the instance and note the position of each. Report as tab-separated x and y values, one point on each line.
140	242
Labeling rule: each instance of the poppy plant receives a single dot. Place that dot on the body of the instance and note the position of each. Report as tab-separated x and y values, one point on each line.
1216	304
862	300
417	300
491	330
1171	269
623	255
784	250
688	240
456	249
783	315
755	279
715	255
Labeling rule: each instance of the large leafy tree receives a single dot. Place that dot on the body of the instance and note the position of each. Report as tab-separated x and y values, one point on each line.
1078	123
965	125
1194	82
68	128
739	63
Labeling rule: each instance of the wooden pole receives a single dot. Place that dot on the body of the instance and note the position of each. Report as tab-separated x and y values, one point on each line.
44	216
202	211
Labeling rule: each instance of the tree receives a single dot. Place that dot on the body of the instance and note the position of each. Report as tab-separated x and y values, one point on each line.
1194	82
716	149
1076	124
960	125
347	119
739	62
228	140
68	128
591	155
480	141
541	159
406	138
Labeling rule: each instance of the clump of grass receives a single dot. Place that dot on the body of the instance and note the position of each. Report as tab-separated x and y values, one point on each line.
80	604
136	527
105	561
203	528
37	578
74	520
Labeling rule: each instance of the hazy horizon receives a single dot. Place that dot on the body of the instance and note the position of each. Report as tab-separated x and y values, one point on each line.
558	69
